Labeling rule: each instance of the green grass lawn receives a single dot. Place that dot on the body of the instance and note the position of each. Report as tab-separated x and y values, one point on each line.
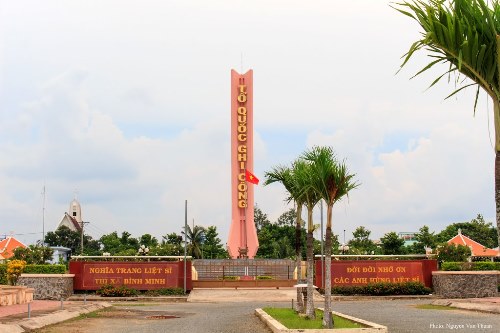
434	307
290	319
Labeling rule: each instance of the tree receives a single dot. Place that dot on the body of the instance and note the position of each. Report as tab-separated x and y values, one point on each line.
288	218
33	254
196	238
64	236
465	35
213	248
304	175
331	181
477	229
288	178
148	241
260	219
392	244
172	243
453	253
425	239
361	243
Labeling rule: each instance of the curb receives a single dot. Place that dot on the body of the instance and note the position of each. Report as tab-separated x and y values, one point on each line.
93	298
481	307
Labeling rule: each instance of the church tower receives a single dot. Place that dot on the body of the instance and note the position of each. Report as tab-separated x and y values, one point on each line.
75	210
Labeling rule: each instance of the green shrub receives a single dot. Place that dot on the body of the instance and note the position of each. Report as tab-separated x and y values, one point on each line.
165	292
382	289
45	269
109	290
470	266
231	277
264	277
451	266
3	274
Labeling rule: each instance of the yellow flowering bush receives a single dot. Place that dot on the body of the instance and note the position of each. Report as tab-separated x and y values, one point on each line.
14	270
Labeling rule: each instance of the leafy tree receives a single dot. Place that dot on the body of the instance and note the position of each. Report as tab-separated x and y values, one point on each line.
276	241
465	35
361	242
424	238
288	218
453	252
392	244
33	254
148	241
65	237
477	229
172	244
123	245
213	248
260	218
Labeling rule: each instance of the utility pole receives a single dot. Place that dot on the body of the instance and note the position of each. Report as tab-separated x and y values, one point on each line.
81	238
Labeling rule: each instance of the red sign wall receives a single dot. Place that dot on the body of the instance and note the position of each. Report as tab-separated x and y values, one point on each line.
92	275
362	272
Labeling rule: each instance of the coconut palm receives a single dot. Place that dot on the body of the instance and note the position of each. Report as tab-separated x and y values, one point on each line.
304	180
285	176
465	35
196	238
332	182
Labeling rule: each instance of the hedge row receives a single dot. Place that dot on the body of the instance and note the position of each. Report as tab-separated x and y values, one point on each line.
33	269
3	274
383	289
470	266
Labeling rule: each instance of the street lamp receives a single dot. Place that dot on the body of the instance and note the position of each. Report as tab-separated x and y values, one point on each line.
143	250
344	247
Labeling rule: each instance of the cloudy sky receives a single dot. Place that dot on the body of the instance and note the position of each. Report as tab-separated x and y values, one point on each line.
127	104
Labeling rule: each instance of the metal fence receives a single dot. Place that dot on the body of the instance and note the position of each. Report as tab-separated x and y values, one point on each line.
218	269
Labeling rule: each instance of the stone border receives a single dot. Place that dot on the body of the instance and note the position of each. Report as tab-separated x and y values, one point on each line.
48	286
277	327
465	284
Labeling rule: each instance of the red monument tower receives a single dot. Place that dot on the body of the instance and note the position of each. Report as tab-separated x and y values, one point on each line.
243	241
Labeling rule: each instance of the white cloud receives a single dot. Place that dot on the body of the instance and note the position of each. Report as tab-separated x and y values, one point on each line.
127	103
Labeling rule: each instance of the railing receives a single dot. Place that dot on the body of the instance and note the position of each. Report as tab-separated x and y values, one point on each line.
220	269
132	258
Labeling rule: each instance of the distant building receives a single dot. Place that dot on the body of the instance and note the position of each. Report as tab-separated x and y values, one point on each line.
408	237
61	254
73	219
7	247
477	249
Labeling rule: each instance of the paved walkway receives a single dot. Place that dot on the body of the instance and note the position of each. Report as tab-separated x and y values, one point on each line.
14	318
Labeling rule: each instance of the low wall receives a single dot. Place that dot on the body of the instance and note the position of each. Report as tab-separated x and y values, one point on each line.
48	286
465	284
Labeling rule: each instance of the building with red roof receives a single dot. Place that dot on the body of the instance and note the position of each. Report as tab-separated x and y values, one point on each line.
477	249
7	247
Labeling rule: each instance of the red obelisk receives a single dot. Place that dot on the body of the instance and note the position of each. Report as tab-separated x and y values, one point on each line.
243	241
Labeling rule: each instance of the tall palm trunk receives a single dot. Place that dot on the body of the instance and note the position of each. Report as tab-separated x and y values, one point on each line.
310	311
298	255
327	314
496	110
496	119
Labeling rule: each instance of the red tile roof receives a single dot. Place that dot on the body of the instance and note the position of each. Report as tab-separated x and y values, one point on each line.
8	245
477	249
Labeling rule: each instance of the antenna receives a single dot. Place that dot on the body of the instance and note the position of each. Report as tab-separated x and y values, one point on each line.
43	215
241	59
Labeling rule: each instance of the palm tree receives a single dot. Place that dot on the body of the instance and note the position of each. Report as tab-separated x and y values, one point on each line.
196	238
304	179
465	35
285	176
332	182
